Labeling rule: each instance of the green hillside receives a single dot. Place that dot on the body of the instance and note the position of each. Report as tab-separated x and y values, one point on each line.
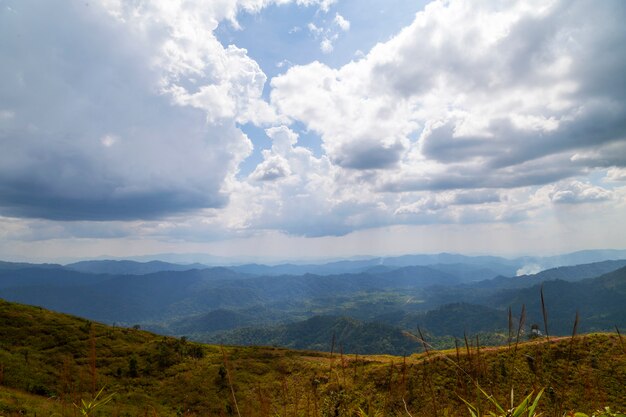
317	333
49	361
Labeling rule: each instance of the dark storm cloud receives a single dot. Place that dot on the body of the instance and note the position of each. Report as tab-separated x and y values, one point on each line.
90	136
35	200
509	145
536	172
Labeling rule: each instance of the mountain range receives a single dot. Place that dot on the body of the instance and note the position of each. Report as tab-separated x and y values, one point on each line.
385	299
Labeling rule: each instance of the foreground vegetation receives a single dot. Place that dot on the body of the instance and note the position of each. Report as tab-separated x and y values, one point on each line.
49	362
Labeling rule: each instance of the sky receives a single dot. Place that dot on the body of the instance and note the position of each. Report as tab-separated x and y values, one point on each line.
311	129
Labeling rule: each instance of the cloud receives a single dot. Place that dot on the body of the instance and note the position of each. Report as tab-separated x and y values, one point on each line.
435	176
477	112
468	105
93	137
323	4
577	192
370	153
314	29
616	175
482	93
135	115
351	127
284	63
298	196
476	197
327	33
453	206
604	155
273	167
342	22
326	46
313	200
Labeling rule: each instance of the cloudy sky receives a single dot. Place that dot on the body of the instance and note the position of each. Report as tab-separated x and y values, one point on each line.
285	129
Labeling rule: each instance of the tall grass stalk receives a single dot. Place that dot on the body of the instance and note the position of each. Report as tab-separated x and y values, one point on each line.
230	382
87	408
92	358
621	341
427	374
510	327
332	351
544	312
343	364
520	328
574	331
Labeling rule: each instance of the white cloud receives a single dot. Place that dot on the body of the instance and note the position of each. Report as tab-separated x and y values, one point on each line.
327	32
576	192
272	168
284	63
323	4
483	87
342	22
326	46
471	96
314	29
616	174
305	200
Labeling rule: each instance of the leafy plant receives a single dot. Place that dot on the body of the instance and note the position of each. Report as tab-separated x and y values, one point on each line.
526	408
87	407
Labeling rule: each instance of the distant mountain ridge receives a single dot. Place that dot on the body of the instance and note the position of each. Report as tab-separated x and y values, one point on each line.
600	302
21	265
566	273
495	265
444	299
130	267
492	266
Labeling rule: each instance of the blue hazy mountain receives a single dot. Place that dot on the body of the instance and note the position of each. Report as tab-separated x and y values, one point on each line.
123	267
443	298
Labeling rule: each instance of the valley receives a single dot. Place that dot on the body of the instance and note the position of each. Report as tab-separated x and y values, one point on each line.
365	304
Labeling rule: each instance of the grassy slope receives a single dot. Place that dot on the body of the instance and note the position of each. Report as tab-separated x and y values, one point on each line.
45	367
